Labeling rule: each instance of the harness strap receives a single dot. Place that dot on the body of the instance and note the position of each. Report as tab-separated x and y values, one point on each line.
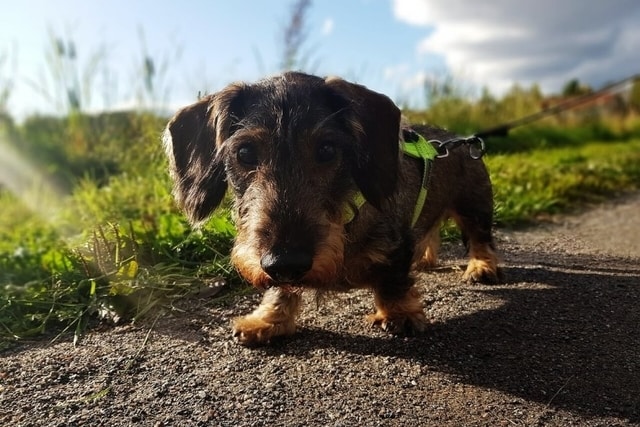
414	145
352	207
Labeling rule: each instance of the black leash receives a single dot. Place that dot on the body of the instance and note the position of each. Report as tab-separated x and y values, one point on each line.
476	143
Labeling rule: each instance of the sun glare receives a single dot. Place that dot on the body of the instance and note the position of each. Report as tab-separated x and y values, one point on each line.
27	182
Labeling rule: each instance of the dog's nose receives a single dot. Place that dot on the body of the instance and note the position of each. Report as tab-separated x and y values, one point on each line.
286	265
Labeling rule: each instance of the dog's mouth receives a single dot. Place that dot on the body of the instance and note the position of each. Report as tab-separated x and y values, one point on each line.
288	285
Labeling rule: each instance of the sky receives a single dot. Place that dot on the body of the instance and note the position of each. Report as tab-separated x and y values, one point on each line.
391	46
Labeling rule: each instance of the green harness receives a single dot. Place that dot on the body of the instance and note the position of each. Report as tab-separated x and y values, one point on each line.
414	145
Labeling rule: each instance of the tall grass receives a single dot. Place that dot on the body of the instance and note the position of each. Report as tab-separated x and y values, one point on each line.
6	81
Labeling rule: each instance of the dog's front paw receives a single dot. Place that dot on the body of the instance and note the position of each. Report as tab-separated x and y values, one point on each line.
253	331
399	324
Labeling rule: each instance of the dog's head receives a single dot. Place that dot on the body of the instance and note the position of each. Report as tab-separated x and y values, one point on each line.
294	149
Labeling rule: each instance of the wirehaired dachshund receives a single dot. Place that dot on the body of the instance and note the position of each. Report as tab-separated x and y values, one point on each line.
324	196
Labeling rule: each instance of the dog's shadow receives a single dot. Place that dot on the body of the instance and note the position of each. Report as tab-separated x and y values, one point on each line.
573	342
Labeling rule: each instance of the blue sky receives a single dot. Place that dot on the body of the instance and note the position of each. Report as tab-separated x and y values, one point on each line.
389	45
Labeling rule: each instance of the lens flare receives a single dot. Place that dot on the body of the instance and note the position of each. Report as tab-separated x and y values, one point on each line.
38	191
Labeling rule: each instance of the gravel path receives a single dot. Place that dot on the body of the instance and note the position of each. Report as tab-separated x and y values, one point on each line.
557	345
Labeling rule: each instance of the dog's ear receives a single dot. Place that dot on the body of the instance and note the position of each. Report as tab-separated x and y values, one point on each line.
192	141
375	121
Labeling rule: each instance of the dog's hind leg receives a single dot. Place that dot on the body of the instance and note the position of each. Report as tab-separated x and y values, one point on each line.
275	316
483	263
426	255
483	260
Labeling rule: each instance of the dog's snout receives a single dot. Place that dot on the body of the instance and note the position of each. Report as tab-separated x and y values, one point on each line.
286	265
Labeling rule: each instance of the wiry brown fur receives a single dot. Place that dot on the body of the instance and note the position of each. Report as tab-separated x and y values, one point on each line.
295	149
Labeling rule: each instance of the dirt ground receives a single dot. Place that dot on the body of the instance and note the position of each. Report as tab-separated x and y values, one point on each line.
557	345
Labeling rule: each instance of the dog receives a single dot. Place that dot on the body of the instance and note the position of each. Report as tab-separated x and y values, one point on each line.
324	198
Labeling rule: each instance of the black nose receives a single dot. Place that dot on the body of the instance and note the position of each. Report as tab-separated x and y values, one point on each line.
286	265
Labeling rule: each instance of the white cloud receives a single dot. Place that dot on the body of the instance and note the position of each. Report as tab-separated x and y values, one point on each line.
498	42
327	26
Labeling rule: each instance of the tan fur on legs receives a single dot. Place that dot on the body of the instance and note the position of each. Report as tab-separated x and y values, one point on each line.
427	250
397	316
275	316
483	265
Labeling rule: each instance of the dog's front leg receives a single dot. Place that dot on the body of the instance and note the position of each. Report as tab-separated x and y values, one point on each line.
275	316
399	307
399	314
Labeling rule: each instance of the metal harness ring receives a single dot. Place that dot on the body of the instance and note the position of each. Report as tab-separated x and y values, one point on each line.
476	146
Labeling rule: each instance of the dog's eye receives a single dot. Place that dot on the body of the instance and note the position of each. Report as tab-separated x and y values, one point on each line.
326	152
247	155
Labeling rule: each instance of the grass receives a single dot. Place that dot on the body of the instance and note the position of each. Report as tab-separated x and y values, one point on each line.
107	241
531	185
98	245
116	270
